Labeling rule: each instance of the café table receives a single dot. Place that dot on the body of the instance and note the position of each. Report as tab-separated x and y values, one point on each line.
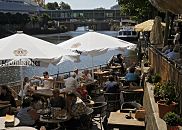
115	67
22	128
132	93
145	69
134	89
3	106
87	83
100	75
47	92
2	123
119	120
56	119
53	120
89	103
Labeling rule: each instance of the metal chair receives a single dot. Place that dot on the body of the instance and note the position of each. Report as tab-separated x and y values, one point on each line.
130	106
99	112
113	101
86	121
132	97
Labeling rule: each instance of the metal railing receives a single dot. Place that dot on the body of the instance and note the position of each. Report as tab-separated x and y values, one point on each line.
168	69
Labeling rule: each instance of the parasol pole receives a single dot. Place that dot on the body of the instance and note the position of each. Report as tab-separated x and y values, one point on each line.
92	67
21	79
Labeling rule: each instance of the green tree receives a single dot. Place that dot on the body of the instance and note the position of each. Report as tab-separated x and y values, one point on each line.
140	9
64	6
3	19
44	18
52	6
16	18
34	20
25	19
8	17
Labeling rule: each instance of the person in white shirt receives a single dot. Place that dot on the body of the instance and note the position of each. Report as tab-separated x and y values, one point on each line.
46	80
71	83
26	88
86	76
78	75
176	37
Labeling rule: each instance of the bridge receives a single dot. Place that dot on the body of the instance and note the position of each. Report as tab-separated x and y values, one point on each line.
69	15
95	19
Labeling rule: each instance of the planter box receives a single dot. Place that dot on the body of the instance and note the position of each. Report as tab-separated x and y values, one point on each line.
173	127
164	108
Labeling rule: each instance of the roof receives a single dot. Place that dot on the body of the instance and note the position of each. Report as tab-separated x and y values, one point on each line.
174	6
17	6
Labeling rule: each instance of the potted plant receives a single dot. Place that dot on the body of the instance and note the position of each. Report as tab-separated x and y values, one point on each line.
172	120
154	78
168	96
157	92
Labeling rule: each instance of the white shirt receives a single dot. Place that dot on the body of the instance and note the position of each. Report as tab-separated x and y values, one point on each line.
48	84
78	77
71	83
176	38
87	77
27	85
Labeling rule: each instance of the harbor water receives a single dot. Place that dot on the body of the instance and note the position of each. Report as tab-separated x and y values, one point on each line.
11	74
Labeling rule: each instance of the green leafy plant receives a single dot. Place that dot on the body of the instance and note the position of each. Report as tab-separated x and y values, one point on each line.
180	122
158	90
166	91
172	118
154	78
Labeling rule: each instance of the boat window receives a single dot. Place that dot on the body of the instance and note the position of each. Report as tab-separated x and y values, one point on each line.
120	33
134	33
127	33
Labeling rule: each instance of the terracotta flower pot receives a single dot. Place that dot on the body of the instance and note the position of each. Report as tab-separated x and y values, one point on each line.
172	127
164	108
157	98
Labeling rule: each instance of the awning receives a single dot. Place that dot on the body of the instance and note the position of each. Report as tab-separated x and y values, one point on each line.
174	6
146	26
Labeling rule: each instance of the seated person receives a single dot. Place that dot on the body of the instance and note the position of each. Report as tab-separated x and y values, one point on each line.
83	93
27	115
170	48
36	101
78	75
26	88
174	55
111	86
119	59
46	79
76	109
131	76
71	83
86	76
57	100
6	95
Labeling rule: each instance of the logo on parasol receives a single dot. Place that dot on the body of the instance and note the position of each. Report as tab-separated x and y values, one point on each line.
20	52
76	45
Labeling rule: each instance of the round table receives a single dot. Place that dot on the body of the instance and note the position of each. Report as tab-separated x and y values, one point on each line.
22	128
2	122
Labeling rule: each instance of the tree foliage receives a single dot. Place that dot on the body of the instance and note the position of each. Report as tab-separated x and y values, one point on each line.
52	6
56	6
65	6
44	18
140	9
18	19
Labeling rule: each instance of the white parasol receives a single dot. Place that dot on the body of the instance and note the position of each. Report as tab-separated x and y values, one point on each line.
93	44
27	48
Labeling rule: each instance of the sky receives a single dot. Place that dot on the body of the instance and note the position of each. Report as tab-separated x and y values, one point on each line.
87	4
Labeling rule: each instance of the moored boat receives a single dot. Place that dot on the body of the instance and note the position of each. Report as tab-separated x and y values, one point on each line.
127	34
